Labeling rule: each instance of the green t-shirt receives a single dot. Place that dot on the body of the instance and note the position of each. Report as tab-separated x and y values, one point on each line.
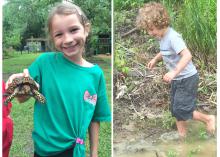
75	96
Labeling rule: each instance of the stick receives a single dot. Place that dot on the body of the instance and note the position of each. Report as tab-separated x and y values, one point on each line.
129	32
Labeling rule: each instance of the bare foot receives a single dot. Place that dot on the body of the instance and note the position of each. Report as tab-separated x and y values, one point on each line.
210	125
181	127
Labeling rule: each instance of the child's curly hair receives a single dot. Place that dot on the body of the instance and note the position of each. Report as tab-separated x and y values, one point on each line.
153	15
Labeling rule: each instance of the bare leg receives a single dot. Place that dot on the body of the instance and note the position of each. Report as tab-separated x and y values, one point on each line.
181	127
209	120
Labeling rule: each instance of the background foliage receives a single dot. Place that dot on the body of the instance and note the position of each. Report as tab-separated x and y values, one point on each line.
31	16
198	24
195	20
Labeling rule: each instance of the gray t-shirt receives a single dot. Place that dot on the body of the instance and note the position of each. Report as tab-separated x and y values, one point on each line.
170	47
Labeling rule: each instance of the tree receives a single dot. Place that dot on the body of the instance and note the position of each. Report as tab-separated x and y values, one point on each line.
31	16
29	21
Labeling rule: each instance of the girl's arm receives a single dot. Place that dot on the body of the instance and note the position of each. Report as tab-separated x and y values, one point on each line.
94	138
186	57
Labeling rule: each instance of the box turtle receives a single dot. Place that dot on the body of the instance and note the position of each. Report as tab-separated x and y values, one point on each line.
23	86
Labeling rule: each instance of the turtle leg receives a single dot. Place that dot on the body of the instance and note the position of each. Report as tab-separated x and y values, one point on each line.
38	96
9	98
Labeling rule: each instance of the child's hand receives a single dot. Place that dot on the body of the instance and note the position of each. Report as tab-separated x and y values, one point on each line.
151	64
25	73
12	77
168	77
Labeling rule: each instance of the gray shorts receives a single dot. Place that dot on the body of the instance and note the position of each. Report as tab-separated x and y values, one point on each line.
183	97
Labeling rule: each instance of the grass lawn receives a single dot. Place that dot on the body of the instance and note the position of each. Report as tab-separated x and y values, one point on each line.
22	114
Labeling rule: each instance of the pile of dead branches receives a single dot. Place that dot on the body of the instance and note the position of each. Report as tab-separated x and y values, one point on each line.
142	90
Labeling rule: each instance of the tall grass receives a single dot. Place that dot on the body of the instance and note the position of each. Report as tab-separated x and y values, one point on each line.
127	4
197	22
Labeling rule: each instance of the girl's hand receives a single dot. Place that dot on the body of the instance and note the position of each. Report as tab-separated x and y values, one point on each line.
151	64
18	75
168	77
25	73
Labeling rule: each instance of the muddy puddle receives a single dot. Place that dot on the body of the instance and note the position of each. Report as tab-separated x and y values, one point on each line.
135	142
175	149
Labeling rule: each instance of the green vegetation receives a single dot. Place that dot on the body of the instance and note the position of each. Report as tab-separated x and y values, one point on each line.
195	20
172	153
18	62
22	114
168	121
202	134
30	21
127	4
194	151
121	61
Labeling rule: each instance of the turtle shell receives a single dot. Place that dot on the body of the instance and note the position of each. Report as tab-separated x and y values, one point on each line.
23	86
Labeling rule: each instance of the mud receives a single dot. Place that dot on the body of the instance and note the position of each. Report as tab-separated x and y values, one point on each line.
133	141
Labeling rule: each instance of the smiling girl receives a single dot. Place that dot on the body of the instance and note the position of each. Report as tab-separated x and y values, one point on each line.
74	89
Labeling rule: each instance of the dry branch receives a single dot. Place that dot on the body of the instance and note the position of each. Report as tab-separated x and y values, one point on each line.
129	32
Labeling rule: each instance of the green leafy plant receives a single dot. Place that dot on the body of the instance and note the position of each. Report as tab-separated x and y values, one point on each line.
172	153
202	134
168	120
120	60
194	151
127	4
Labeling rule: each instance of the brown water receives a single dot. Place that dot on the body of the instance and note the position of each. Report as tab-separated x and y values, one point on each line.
175	149
193	146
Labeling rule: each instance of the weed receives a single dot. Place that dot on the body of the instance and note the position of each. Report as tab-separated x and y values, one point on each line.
194	151
172	153
202	134
168	120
